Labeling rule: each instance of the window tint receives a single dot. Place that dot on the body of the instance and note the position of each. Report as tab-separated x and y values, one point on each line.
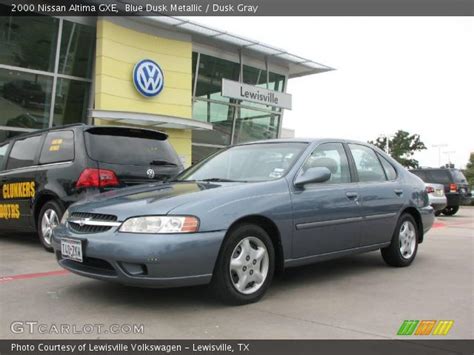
367	164
3	151
333	157
389	169
421	174
439	176
24	152
58	146
130	147
458	176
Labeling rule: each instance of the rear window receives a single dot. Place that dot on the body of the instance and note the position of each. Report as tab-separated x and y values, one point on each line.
458	176
439	176
58	147
127	146
420	174
23	152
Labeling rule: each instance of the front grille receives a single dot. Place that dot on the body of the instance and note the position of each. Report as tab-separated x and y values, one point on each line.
88	223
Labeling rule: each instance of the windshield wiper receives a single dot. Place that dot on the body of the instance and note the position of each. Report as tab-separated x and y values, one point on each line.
219	180
162	162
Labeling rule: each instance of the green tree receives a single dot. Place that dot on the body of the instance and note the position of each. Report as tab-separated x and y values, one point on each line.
469	172
402	146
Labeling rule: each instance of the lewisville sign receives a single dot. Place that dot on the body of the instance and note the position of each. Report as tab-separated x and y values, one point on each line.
241	91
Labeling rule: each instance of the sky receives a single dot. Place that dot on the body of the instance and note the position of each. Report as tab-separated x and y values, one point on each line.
410	73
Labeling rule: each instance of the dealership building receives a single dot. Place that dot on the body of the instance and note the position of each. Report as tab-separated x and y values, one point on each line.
206	88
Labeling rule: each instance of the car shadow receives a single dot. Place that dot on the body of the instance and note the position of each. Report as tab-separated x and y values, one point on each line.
198	297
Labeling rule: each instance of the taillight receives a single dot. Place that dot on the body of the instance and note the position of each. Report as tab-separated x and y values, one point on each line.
430	189
97	178
453	188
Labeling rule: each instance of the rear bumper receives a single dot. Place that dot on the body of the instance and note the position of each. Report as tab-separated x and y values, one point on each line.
438	202
427	218
168	260
456	199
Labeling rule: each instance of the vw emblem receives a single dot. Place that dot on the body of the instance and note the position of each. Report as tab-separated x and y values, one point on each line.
148	78
150	173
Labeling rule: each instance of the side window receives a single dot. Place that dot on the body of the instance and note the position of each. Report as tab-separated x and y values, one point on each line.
367	163
389	169
58	146
333	157
24	152
3	151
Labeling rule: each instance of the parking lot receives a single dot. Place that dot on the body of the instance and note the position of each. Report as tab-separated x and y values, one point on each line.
353	297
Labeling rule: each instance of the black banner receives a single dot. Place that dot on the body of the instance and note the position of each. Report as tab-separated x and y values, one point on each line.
240	7
250	347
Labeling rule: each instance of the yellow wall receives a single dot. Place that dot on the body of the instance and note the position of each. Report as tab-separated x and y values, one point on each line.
118	50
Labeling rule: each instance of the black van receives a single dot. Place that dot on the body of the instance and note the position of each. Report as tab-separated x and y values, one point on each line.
42	173
455	184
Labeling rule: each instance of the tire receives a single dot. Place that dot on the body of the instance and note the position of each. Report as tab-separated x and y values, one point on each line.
52	211
437	213
225	281
402	255
450	210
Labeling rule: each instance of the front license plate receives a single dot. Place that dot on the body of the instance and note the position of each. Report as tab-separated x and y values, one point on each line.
71	249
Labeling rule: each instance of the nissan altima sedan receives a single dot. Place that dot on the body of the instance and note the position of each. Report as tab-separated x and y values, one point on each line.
247	212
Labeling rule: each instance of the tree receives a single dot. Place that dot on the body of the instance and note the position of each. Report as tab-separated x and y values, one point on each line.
469	172
402	146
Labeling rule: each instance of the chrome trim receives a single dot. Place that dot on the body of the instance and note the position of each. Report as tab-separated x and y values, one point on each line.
90	222
379	216
309	225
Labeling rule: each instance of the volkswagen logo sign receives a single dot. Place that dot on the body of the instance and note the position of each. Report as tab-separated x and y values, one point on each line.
150	173
148	78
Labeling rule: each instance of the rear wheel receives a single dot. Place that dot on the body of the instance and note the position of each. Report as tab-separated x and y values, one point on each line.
402	250
245	266
48	218
450	210
437	213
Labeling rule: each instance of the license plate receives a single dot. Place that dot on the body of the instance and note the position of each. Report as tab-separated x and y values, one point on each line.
439	192
71	249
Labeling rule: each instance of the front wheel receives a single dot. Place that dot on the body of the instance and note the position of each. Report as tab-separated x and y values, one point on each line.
450	210
48	219
245	266
402	250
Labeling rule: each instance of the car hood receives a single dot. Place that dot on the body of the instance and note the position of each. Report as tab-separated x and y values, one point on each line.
156	199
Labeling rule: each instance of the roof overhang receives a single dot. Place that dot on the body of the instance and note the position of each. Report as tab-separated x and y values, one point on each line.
149	120
297	65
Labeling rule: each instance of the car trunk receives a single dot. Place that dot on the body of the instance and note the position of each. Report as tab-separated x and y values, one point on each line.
135	156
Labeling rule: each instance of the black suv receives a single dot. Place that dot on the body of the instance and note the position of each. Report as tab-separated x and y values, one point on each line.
42	173
455	184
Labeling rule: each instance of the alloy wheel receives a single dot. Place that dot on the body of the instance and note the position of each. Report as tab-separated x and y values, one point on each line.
407	239
49	221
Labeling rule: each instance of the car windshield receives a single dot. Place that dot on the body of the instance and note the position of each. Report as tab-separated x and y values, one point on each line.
247	163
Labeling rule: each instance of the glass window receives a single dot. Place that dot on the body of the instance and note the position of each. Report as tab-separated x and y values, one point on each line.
128	146
26	99
211	72
255	76
333	157
77	50
72	101
367	164
440	176
58	146
458	176
252	125
28	42
8	134
388	167
3	152
200	153
276	82
221	117
24	152
421	174
247	163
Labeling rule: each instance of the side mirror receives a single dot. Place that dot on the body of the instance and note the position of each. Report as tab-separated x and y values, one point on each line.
313	175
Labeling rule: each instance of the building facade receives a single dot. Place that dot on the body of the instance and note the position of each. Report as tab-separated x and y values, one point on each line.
57	71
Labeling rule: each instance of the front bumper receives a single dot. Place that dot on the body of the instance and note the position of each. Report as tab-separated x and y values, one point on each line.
166	260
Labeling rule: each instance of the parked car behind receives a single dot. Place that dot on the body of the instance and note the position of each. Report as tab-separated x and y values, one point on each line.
42	173
246	211
455	185
436	197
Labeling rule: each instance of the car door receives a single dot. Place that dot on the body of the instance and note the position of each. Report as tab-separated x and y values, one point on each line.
381	194
326	215
19	183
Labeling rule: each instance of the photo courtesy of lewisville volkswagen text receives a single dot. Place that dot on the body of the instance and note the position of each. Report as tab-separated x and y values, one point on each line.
236	177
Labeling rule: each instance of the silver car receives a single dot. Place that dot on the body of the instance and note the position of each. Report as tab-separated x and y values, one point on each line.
436	197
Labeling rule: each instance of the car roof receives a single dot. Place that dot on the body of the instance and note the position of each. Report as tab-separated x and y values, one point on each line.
305	140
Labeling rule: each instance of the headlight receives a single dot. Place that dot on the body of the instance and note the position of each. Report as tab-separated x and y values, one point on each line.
65	217
160	224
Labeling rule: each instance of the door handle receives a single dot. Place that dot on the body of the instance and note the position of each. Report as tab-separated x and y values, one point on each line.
352	195
398	192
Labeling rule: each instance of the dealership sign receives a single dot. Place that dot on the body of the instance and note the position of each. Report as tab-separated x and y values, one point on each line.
148	78
245	92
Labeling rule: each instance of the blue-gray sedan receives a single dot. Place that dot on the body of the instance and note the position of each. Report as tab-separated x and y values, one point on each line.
246	212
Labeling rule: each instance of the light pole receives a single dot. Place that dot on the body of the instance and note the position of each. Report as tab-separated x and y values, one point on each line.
448	153
439	146
387	137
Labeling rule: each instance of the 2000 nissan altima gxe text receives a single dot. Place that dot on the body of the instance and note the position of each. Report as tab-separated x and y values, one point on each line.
246	212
